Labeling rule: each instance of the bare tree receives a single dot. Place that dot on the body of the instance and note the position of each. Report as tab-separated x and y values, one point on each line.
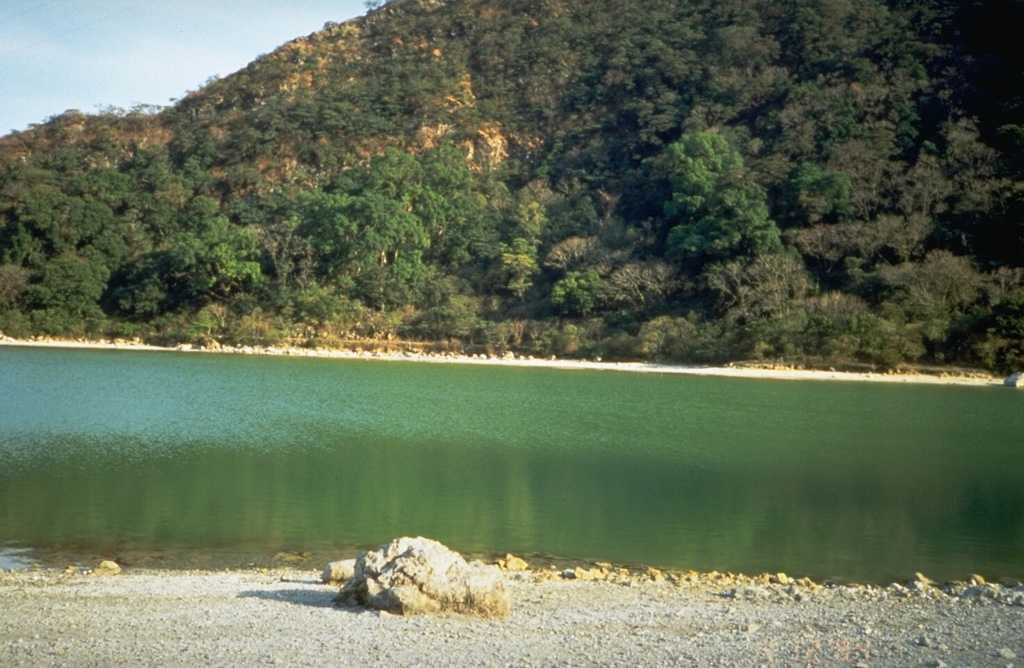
769	286
573	253
640	284
289	253
942	283
998	284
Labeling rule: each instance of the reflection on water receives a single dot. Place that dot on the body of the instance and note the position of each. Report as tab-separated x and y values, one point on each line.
12	558
236	457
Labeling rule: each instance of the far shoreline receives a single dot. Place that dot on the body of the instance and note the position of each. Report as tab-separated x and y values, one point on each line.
744	370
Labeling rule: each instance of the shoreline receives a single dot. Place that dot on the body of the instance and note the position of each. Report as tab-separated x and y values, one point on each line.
536	568
763	372
289	617
22	558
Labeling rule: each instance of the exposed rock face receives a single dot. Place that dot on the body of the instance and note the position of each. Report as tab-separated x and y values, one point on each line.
411	576
1015	380
339	571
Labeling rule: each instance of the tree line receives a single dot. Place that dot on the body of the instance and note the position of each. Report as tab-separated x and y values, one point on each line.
824	181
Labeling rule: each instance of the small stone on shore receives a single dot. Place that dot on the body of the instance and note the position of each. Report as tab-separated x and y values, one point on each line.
655	575
923	579
107	567
338	571
513	564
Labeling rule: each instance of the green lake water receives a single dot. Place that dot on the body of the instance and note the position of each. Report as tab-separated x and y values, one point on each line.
153	456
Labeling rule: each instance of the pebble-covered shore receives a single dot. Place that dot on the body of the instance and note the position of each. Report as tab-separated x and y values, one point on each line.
588	616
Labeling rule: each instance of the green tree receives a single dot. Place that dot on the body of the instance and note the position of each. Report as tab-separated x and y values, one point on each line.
388	250
576	293
817	195
328	225
213	261
519	263
717	211
65	298
450	207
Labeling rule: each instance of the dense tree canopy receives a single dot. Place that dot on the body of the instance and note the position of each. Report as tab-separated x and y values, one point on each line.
829	181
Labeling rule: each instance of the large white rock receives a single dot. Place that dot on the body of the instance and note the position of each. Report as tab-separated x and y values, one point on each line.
411	576
1014	380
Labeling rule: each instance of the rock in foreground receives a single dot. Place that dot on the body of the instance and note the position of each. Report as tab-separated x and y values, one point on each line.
415	576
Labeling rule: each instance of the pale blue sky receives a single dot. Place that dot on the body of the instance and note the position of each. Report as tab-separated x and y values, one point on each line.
57	55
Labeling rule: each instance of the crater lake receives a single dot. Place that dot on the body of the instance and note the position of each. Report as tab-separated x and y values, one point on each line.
182	459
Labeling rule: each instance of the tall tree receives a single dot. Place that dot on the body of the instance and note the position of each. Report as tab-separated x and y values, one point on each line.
717	211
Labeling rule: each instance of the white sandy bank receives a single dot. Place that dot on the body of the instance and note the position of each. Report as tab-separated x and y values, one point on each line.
774	372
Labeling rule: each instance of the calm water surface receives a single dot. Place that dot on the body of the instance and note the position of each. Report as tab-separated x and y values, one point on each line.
133	453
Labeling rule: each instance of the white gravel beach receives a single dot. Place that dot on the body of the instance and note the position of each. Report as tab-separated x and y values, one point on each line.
778	371
244	618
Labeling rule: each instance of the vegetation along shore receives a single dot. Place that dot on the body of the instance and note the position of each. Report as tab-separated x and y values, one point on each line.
827	182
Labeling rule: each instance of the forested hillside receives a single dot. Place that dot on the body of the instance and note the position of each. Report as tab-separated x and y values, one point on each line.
825	181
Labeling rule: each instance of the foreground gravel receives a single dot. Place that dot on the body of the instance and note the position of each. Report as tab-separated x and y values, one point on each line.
50	617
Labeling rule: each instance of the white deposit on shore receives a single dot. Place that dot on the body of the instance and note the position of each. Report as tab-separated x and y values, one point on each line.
168	618
777	372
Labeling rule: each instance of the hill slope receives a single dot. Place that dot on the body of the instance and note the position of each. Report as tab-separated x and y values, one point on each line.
822	180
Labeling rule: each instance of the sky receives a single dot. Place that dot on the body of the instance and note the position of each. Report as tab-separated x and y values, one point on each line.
89	55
